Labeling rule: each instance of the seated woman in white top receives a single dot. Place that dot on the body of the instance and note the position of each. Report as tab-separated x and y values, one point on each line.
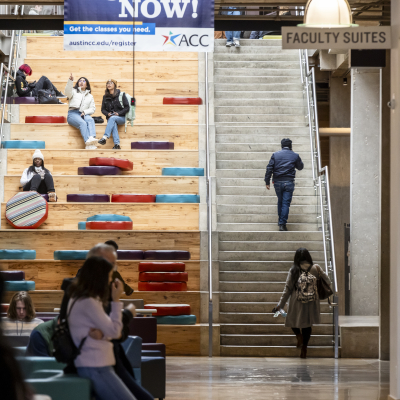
80	108
89	293
21	315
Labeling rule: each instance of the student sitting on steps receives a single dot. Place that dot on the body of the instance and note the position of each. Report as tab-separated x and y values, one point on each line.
25	89
37	178
80	108
114	107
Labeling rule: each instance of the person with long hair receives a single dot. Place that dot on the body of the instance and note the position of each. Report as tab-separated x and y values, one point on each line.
25	89
89	294
21	316
80	108
37	178
301	316
114	111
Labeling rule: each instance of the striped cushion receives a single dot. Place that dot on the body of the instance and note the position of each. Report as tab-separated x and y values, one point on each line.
26	210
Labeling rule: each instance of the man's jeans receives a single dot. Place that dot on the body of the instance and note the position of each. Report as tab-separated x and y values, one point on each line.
112	127
284	192
231	35
86	126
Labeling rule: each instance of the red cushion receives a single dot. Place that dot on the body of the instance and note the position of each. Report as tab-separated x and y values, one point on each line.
110	225
162	286
182	100
4	307
133	198
169	309
125	165
161	267
163	276
45	119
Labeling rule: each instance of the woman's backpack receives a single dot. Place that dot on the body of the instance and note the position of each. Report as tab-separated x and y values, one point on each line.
130	116
306	287
65	350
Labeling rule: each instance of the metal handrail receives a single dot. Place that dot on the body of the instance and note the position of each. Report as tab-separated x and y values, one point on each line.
209	215
321	178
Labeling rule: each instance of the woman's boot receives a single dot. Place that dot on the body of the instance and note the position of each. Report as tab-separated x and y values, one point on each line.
299	340
303	353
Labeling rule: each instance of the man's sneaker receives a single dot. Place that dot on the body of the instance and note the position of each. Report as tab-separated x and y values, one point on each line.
236	43
229	44
117	147
91	141
282	228
102	141
90	147
61	95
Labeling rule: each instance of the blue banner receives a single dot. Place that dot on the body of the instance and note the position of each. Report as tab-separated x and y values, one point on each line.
142	25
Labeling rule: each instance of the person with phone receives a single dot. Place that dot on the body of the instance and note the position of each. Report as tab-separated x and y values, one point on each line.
81	107
115	106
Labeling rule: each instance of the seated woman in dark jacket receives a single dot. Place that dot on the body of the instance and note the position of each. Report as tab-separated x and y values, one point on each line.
25	89
114	112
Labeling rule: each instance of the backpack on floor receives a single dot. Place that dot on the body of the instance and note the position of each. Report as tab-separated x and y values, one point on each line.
306	287
131	114
47	97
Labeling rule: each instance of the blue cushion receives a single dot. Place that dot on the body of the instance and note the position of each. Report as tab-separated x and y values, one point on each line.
23	144
17	254
19	286
183	171
108	217
31	364
177	320
177	198
70	254
82	225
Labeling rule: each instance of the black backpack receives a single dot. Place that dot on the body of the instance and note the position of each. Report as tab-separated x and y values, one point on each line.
65	350
47	97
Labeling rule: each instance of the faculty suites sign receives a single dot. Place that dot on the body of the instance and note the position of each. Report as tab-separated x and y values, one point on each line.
146	25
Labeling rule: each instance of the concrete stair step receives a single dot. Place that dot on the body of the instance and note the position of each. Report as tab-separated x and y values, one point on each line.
293	88
270	236
231	76
264	255
268	199
254	155
272	297
249	182
259	307
265	227
252	49
259	118
282	245
258	124
255	173
270	276
266	329
264	150
260	56
259	191
267	318
275	351
272	340
234	138
262	209
276	43
259	164
257	102
263	218
246	92
297	134
255	266
257	64
270	72
263	110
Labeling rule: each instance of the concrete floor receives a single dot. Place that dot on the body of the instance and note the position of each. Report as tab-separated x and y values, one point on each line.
192	378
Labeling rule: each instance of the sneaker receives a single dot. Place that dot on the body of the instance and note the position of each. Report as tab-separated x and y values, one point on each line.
282	228
117	147
52	196
236	43
102	141
91	141
229	44
90	147
61	95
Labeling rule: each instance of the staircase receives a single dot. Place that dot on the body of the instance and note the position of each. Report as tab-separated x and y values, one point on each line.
258	101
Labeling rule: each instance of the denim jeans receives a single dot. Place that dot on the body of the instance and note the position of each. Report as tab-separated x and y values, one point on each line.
86	126
231	35
284	192
112	127
106	384
42	186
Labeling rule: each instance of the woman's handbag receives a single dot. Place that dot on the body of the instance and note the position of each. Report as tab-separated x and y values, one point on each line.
47	97
98	120
65	350
324	290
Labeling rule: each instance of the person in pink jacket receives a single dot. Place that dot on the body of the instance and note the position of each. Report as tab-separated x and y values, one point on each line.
88	322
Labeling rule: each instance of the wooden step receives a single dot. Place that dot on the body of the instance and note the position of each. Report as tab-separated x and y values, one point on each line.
144	114
48	274
64	136
45	242
180	340
145	216
65	162
114	184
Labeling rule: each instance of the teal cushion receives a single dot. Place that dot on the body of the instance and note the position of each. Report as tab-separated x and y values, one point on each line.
31	364
177	320
108	217
183	171
82	225
177	198
23	144
17	254
70	254
19	286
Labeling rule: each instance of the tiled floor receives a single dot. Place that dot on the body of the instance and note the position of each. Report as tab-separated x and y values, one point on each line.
193	378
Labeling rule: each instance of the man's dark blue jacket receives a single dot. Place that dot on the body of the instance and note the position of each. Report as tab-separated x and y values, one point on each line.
283	166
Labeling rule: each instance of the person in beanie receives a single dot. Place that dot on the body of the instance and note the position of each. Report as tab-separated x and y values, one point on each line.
282	166
37	178
25	89
114	112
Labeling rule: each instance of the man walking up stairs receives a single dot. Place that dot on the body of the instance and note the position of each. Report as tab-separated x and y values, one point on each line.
258	99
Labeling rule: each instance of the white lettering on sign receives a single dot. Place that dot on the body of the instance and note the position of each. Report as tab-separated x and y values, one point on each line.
336	38
172	8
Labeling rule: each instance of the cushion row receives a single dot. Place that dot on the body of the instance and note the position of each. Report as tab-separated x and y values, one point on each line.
162	286
174	171
23	144
19	286
88	198
17	254
169	309
177	320
161	267
152	145
13	275
98	170
45	119
127	255
109	225
109	217
125	165
163	276
134	198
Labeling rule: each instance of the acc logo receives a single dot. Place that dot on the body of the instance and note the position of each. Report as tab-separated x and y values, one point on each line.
170	39
185	40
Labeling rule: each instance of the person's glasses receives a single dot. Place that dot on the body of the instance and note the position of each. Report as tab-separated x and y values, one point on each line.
82	80
109	83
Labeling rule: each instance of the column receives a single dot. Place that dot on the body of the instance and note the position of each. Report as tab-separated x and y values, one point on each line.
365	180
